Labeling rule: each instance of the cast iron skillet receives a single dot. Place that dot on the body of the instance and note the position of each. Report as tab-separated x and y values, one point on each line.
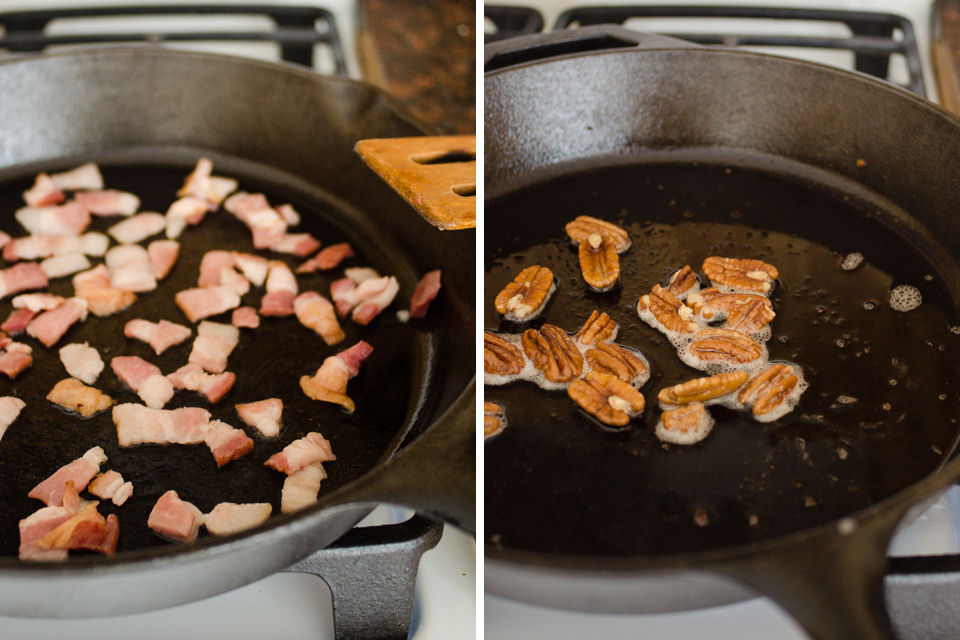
714	152
145	115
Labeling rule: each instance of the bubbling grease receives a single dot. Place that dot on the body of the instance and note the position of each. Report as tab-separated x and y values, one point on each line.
851	261
905	298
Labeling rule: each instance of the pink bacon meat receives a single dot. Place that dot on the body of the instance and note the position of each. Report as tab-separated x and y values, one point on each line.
328	258
22	276
211	265
49	326
193	377
175	519
281	291
228	517
202	185
301	488
137	228
188	210
44	246
159	335
144	378
163	255
68	219
108	202
366	300
103	299
213	345
14	358
10	409
17	321
129	266
263	415
137	424
311	448
43	192
87	529
329	384
37	525
424	293
266	223
298	244
254	268
204	302
226	443
110	485
80	472
317	313
245	317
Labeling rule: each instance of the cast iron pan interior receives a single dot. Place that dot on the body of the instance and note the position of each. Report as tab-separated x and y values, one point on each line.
391	390
558	482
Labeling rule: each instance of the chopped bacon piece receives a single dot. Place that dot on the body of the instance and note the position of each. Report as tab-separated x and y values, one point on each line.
137	424
228	517
86	176
155	391
263	415
311	448
234	280
4	239
426	290
254	268
245	317
298	244
10	409
102	298
144	378
81	361
204	302
317	313
300	489
22	276
281	291
64	265
226	443
183	211
37	301
373	296
35	526
342	293
72	394
80	472
17	321
91	243
110	485
163	255
211	265
175	519
192	376
43	192
68	219
266	223
359	275
213	345
329	384
328	258
289	214
130	268
203	186
49	326
13	363
159	335
87	529
108	202
138	227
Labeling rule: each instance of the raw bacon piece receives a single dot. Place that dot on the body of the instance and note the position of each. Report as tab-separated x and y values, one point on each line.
373	296
43	192
245	317
183	211
426	290
49	326
64	265
266	223
130	268
102	298
298	244
17	321
72	394
203	186
22	276
212	263
86	176
4	239
110	485
213	345
226	443
36	526
300	489
81	361
80	472
137	424
163	255
263	415
359	275
289	214
328	258
85	530
329	384
317	313
204	302
67	219
234	280
192	376
159	335
309	449
91	243
15	359
228	517
144	378
281	290
138	227
108	202
10	409
342	293
175	519
254	268
37	301
155	391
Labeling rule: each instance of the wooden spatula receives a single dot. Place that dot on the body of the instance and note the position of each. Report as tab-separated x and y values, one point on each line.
437	175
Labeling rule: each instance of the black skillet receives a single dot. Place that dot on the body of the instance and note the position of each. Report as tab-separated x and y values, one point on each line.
146	115
701	152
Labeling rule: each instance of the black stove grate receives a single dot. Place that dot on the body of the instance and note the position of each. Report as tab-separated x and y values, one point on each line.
511	21
875	37
297	30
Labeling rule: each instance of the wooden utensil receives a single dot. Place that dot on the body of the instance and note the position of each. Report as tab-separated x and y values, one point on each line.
437	175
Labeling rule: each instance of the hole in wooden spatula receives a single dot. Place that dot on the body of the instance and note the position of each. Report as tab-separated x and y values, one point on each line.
465	190
444	157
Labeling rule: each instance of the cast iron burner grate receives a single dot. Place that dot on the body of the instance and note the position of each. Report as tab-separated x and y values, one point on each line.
875	37
511	21
297	30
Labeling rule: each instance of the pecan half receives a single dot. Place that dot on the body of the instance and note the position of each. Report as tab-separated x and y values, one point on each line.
747	312
683	282
599	262
668	311
553	353
501	358
619	362
584	226
703	389
523	298
609	400
494	419
685	425
710	345
769	388
740	274
599	327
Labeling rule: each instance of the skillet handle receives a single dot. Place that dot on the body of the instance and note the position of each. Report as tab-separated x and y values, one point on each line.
540	46
435	475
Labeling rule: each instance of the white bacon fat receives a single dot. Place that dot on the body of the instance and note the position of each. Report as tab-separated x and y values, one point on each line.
10	408
82	361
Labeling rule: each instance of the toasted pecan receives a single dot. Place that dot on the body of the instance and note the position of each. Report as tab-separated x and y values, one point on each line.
703	389
501	358
711	345
583	227
553	353
668	310
599	262
609	400
599	327
616	361
524	297
769	388
741	274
